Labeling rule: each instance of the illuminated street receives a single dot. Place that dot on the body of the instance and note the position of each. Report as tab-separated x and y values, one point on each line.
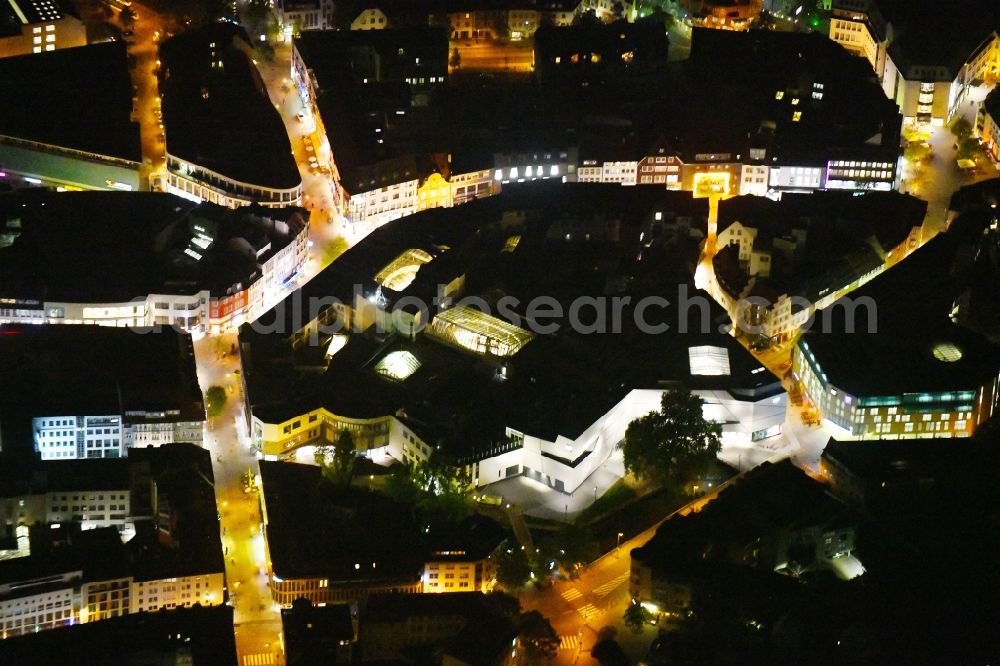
579	609
256	618
150	29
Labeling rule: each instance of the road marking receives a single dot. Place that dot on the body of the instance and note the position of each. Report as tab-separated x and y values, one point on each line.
589	611
569	642
609	587
259	659
571	594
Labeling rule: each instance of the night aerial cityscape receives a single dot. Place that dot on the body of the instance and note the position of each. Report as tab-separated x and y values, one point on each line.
499	332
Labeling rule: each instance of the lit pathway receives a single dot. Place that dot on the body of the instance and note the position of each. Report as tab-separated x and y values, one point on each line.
256	617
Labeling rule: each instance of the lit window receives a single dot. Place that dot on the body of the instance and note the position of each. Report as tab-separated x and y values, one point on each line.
779	95
796	116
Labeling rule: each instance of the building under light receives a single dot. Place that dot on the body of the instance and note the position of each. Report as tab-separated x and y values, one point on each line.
39	26
889	362
202	268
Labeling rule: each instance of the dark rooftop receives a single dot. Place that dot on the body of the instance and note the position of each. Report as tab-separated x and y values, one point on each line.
187	542
318	529
876	461
922	38
771	496
217	112
386	608
112	247
196	636
48	476
472	539
93	371
889	349
845	236
313	634
79	98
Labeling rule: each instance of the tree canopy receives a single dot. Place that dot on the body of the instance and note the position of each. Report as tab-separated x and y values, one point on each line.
513	567
539	639
637	616
338	462
438	489
674	444
215	400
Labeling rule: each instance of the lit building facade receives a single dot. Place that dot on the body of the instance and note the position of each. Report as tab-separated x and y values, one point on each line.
942	414
29	606
198	183
70	437
38	26
452	573
299	15
207	589
562	464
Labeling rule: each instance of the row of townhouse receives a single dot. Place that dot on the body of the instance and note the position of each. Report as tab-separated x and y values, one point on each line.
68	598
869	170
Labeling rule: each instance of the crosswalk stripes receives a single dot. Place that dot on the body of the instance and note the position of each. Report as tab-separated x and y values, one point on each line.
609	587
571	594
588	611
569	642
259	659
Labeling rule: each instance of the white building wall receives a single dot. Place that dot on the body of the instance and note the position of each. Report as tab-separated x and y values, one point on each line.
753	180
183	592
30	613
70	437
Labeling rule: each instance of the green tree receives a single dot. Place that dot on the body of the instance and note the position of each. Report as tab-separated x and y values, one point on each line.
539	640
575	548
588	17
672	445
256	16
637	616
970	149
127	17
607	651
503	605
513	568
961	128
215	400
338	462
400	485
917	152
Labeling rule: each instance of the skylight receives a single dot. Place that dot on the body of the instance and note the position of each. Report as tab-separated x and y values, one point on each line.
708	360
947	353
397	365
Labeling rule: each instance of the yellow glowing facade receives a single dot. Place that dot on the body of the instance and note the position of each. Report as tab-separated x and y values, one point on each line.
435	192
711	184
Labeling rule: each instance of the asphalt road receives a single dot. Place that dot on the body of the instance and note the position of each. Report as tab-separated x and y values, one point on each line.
579	609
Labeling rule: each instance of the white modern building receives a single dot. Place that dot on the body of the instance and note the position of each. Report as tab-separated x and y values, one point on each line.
562	463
